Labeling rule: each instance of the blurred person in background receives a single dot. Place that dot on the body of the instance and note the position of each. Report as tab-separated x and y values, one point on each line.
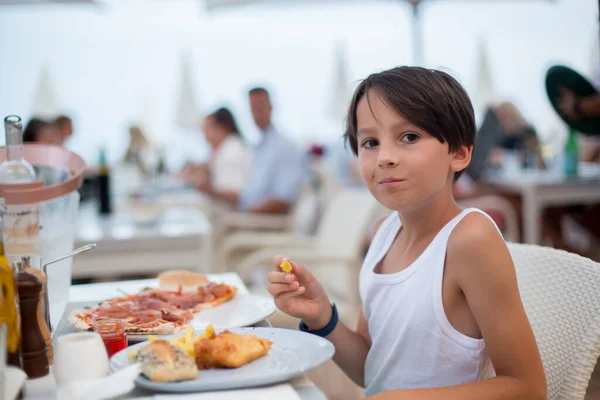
137	145
278	168
516	137
518	134
576	108
344	165
41	132
65	128
224	176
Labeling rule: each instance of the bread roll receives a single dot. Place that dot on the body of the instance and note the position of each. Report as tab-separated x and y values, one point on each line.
187	280
161	361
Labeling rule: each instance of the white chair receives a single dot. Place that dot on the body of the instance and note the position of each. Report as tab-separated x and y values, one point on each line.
339	240
561	295
239	225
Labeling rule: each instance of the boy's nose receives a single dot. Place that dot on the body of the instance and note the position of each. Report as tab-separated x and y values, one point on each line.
387	160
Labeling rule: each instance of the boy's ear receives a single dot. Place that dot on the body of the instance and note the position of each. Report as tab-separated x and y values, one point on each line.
461	158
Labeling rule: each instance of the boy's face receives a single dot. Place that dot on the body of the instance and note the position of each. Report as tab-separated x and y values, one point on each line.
403	166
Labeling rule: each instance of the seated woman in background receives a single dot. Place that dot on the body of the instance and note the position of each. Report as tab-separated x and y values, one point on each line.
41	132
137	145
518	135
514	138
224	174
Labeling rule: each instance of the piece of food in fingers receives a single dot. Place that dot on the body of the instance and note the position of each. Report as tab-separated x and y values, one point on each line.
286	266
229	350
161	361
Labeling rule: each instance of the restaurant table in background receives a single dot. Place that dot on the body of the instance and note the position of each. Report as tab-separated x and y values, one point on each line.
546	188
142	239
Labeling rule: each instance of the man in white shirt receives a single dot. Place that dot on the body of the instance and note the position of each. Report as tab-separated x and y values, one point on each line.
278	167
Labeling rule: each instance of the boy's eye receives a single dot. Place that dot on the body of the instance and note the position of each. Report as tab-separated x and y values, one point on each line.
369	143
409	137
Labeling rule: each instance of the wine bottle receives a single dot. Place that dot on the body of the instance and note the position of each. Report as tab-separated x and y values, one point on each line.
103	180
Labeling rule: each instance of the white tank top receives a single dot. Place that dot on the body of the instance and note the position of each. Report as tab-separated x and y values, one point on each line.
413	343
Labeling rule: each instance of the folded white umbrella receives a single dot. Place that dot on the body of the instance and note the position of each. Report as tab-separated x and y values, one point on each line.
45	101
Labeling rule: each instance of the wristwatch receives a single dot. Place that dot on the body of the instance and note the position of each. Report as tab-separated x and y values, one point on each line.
327	329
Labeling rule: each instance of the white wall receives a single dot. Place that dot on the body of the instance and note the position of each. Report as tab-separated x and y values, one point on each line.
121	64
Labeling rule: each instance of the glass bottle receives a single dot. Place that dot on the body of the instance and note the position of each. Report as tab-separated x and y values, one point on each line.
103	181
571	154
9	313
15	169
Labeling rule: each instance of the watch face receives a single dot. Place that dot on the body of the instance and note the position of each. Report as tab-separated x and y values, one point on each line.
560	76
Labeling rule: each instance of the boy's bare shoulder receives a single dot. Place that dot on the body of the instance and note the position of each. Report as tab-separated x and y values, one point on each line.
474	229
474	239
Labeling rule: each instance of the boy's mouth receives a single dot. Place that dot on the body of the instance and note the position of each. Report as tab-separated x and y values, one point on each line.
391	181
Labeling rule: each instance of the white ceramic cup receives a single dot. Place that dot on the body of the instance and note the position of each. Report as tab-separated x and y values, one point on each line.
79	356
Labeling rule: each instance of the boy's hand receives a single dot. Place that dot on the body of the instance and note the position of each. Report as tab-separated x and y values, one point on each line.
299	294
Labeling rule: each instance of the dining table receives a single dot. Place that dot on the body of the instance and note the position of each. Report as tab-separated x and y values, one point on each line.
301	387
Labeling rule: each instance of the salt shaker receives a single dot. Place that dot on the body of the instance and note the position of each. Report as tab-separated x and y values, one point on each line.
33	347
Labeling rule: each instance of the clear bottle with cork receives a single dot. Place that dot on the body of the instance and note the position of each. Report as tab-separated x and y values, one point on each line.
21	221
15	169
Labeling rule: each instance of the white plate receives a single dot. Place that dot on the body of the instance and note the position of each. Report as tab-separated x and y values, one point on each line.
243	310
292	353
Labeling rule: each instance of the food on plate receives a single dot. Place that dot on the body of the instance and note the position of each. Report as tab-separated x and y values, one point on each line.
184	342
169	360
154	311
141	316
161	361
186	280
286	266
207	296
229	350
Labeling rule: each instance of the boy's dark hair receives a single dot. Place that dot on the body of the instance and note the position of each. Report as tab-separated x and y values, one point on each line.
258	90
430	99
225	118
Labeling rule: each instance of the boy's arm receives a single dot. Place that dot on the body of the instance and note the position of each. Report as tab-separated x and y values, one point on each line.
484	270
351	348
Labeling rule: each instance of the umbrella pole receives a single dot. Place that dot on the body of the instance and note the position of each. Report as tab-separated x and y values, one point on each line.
417	34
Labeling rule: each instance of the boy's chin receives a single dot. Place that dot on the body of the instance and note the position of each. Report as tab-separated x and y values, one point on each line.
395	202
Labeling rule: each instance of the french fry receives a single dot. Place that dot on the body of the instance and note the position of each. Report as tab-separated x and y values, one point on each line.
209	331
185	342
189	333
130	355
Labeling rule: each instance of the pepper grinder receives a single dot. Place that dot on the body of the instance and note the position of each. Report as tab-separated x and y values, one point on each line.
40	314
33	346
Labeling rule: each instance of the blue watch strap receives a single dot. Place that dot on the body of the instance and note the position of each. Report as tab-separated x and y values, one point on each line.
327	329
